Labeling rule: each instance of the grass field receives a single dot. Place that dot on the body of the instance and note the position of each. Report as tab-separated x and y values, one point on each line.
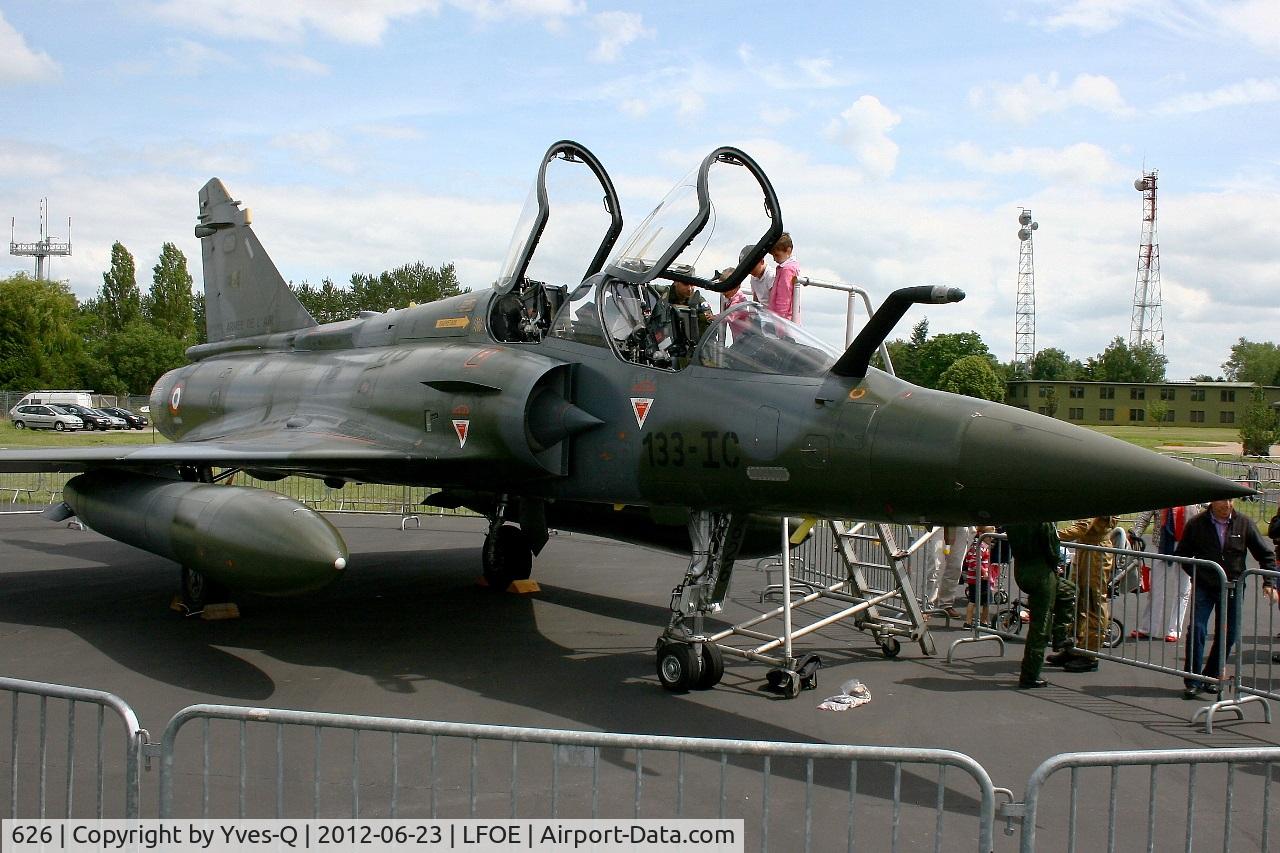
1153	437
11	438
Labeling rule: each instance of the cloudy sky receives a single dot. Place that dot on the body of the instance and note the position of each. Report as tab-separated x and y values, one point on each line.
367	135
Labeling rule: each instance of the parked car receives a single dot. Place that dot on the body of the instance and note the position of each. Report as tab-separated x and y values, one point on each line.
132	420
117	422
44	417
91	418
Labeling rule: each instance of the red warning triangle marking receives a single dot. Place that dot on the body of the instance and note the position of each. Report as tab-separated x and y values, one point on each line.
641	406
461	427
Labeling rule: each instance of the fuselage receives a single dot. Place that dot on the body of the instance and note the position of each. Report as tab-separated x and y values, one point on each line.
567	421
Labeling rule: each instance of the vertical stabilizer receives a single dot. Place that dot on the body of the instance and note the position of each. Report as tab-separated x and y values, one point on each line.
243	291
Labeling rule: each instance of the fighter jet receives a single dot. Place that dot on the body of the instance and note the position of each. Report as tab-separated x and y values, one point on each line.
590	404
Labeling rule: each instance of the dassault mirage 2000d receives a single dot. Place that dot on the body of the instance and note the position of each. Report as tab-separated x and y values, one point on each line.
590	404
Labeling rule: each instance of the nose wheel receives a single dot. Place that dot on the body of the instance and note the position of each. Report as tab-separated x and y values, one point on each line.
684	666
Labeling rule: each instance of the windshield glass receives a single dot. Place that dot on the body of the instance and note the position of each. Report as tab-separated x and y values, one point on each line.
752	338
664	224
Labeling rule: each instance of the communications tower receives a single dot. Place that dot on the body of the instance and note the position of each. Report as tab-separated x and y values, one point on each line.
1024	343
1147	325
45	246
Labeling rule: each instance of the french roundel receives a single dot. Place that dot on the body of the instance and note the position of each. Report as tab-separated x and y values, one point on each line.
175	399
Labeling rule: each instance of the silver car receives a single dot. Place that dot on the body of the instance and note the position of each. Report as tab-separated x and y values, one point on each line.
44	417
117	422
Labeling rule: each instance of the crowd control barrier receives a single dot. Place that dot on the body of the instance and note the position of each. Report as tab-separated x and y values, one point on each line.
1257	664
1178	815
219	761
254	762
59	750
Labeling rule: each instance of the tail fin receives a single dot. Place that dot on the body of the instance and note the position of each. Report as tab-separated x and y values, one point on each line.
243	291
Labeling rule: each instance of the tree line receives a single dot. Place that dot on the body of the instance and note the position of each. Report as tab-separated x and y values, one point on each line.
122	340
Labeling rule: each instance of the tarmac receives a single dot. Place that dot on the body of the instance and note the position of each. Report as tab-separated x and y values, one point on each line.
408	632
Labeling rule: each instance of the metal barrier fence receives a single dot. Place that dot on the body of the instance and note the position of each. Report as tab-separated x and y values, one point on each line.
787	793
1257	671
259	762
1175	810
123	768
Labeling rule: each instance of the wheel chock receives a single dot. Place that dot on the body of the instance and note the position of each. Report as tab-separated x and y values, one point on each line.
217	612
518	587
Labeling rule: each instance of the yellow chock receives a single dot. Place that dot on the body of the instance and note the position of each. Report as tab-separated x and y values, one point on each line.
216	612
524	587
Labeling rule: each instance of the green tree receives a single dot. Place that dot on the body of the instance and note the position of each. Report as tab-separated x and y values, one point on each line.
120	301
1259	428
1156	412
1054	365
130	360
168	305
973	376
200	328
903	353
1119	363
1253	361
1051	404
941	351
1204	377
39	343
403	285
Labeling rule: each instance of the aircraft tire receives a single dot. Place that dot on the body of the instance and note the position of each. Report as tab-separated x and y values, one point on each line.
506	557
678	667
712	667
197	590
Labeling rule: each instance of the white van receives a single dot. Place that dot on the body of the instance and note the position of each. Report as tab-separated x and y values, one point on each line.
58	398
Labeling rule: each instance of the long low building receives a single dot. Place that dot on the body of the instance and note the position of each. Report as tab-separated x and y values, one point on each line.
1220	404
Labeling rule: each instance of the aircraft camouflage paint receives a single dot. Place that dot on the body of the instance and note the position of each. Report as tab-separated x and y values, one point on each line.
591	405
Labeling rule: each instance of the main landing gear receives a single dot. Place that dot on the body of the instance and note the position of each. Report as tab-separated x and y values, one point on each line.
686	659
506	556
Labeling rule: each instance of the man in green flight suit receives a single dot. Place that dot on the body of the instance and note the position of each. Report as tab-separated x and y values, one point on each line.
1050	598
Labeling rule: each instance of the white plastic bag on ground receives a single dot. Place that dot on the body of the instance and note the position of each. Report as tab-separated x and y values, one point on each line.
852	694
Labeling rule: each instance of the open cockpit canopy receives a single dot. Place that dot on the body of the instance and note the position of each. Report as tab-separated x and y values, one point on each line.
698	232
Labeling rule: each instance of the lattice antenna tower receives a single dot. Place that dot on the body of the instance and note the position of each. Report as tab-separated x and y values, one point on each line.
1024	341
45	246
1147	325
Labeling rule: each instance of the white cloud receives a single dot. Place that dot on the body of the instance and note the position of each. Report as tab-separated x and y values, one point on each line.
298	62
320	147
187	57
1094	16
19	160
1082	162
1248	92
290	20
390	131
1258	21
1033	97
816	72
19	63
617	30
864	129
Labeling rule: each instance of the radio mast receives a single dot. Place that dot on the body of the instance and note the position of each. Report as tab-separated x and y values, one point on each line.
1147	325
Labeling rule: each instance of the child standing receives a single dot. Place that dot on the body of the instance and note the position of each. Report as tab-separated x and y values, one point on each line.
979	576
783	298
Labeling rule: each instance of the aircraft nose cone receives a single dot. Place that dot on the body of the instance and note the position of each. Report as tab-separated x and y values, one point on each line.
1018	466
